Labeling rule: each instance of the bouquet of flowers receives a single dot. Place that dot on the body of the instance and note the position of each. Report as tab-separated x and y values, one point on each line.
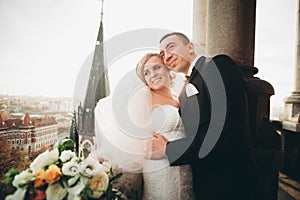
60	174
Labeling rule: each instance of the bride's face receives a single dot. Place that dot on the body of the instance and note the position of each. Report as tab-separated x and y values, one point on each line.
156	74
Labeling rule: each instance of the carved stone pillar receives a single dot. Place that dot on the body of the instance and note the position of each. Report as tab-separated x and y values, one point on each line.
228	27
231	29
291	120
200	22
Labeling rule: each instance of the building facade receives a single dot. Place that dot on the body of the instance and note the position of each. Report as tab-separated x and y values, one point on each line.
29	135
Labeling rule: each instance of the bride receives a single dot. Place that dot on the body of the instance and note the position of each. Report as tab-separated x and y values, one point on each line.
137	112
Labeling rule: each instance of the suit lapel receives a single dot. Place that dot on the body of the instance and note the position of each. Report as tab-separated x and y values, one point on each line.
196	69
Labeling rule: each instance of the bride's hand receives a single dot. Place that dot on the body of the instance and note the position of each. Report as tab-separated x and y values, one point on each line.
159	145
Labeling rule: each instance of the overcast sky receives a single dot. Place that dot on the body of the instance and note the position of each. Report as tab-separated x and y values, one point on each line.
45	43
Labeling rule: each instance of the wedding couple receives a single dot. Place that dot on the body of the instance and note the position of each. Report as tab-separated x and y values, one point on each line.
175	130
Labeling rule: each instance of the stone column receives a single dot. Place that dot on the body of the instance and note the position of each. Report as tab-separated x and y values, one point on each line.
200	22
292	103
231	29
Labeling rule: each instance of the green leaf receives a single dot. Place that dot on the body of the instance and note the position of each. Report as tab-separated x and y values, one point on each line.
116	177
61	183
109	192
67	144
111	171
7	180
10	175
12	172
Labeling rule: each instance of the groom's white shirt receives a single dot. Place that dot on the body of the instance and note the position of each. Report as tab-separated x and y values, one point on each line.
192	66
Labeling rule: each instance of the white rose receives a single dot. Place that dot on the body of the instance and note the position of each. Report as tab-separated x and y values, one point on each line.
76	159
73	197
73	180
98	184
22	179
56	191
67	155
71	168
76	190
44	159
91	166
19	194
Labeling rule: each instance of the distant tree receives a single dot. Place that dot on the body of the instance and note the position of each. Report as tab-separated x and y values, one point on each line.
44	148
74	132
11	159
5	157
86	153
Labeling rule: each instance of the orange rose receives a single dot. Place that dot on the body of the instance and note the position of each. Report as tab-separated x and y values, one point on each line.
52	174
40	178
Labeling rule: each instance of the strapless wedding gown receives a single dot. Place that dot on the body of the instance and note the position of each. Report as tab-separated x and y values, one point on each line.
160	180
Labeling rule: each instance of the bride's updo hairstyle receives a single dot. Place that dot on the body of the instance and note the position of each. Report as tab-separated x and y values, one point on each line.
141	65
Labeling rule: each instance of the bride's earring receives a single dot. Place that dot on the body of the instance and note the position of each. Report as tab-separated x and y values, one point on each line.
172	77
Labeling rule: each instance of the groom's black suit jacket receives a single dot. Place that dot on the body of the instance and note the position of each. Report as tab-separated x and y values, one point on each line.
228	171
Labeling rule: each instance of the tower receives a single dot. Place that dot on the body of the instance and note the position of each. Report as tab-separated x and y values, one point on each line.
98	87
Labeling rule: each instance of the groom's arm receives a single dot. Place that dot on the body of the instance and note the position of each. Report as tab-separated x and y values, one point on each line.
195	114
186	150
234	138
159	144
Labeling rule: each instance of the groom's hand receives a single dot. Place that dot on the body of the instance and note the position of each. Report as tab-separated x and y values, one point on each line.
159	145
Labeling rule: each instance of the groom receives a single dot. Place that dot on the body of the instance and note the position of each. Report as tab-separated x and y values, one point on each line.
224	168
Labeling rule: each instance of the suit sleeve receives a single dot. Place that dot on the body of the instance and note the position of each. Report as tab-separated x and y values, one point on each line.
232	137
195	114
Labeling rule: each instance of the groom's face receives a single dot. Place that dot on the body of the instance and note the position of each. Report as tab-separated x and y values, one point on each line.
175	54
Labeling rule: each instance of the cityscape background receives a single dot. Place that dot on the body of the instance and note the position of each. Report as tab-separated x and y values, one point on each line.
47	49
44	44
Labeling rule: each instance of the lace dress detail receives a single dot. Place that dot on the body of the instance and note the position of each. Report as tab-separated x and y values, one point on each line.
160	180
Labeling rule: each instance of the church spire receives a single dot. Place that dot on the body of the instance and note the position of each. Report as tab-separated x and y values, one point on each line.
100	34
102	10
98	87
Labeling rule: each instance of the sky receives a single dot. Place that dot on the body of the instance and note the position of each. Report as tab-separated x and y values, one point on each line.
46	43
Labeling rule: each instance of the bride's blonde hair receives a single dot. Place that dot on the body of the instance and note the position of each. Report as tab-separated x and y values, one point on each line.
141	65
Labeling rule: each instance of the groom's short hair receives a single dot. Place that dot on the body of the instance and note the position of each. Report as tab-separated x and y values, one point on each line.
181	36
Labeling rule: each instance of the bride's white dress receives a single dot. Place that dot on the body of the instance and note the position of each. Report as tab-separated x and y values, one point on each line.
121	141
160	180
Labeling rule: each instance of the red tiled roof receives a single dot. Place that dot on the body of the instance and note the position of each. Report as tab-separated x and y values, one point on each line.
13	123
44	122
2	123
26	121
